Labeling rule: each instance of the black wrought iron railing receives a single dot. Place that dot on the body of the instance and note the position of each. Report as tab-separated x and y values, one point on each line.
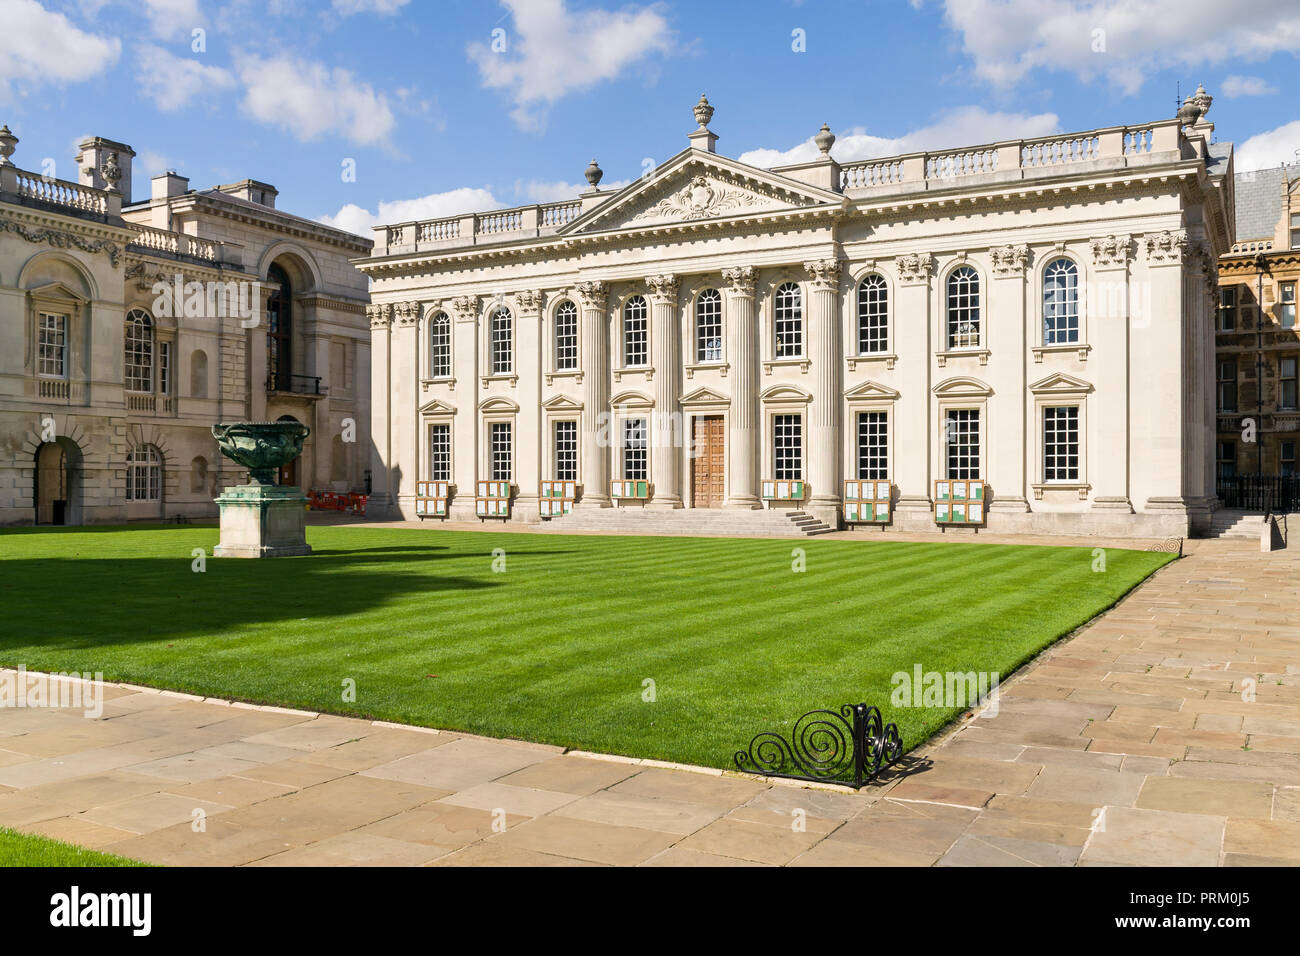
1277	494
297	384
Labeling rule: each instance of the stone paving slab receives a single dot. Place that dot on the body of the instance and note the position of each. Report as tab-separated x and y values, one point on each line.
1167	732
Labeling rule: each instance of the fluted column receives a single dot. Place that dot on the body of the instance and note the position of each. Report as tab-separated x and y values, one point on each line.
666	429
597	428
913	421
404	437
1108	333
824	427
743	426
464	311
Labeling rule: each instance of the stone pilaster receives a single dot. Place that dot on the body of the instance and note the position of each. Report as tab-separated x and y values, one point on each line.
464	314
913	421
597	430
826	413
404	439
1007	434
1107	322
666	435
380	317
744	422
530	437
1159	357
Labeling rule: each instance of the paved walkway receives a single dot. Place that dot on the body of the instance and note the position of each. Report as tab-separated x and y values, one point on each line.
1138	741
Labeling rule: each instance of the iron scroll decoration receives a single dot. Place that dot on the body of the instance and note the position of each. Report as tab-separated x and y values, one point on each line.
849	747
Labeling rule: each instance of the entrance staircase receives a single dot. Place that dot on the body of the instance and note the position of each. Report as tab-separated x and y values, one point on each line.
1235	523
703	522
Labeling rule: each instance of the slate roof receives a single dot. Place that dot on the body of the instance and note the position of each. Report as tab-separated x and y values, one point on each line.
1259	200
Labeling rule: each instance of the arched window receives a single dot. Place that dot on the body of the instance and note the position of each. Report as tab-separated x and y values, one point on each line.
963	308
198	374
139	351
708	326
279	330
440	346
566	337
634	332
143	474
789	321
501	344
1060	302
873	315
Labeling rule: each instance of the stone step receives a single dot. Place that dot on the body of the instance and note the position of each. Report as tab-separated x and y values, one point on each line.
692	521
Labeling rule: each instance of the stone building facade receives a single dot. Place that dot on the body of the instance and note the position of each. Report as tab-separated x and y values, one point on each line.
129	327
1037	314
1257	372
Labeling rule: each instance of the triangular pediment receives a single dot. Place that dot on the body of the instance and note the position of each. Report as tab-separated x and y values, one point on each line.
1060	383
437	407
697	186
561	403
57	290
704	396
870	390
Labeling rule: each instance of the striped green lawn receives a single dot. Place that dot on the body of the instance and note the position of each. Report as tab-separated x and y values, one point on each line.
559	646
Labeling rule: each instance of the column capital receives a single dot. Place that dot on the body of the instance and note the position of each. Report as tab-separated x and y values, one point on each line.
593	294
1166	247
662	288
528	301
380	315
1110	250
406	314
741	280
1010	260
824	273
914	267
463	307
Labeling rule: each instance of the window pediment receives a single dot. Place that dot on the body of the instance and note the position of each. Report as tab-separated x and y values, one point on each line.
870	390
631	399
962	387
1058	383
497	404
785	393
561	403
437	407
57	292
704	396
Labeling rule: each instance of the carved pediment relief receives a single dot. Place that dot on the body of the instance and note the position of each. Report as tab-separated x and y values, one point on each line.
705	396
689	189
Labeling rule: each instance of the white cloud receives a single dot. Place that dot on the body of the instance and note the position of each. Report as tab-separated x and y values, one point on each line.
1122	42
434	206
172	18
38	46
312	101
1235	86
384	8
1269	148
172	81
964	126
553	52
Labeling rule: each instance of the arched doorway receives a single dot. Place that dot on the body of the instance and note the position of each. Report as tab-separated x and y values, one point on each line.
57	492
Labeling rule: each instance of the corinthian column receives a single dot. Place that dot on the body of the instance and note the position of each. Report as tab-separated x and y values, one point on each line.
667	438
743	422
824	429
597	430
381	317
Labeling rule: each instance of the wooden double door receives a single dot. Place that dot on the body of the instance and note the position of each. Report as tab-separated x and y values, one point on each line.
708	468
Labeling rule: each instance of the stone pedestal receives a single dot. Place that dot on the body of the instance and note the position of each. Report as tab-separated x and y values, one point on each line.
262	521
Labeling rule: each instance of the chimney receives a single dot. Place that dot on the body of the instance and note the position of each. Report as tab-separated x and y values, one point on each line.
105	164
169	184
251	190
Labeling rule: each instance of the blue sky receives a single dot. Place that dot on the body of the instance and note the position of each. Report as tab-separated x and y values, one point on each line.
438	114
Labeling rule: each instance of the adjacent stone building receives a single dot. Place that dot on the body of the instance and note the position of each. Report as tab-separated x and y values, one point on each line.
1258	338
1034	314
128	327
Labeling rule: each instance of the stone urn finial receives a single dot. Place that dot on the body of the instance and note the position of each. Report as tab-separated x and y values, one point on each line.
8	143
703	112
594	174
1189	112
111	172
1202	99
825	140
